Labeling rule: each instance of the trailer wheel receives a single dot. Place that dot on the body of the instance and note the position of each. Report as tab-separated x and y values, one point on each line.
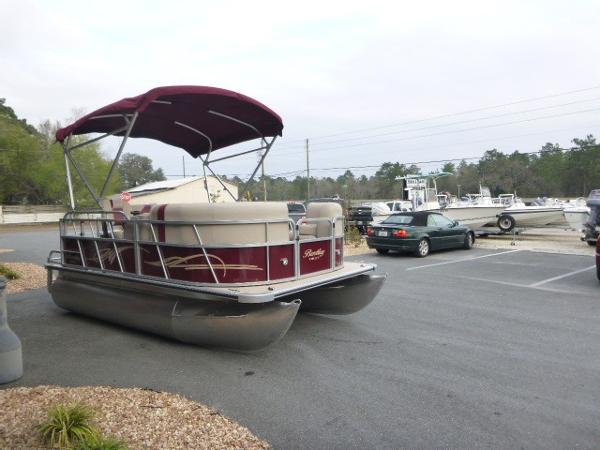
382	251
506	223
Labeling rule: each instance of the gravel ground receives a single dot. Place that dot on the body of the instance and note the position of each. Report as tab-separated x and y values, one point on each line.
551	240
142	418
32	276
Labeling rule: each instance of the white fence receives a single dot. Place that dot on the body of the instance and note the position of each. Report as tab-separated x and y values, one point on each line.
31	214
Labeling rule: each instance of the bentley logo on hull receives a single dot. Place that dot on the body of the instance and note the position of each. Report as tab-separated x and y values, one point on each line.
313	255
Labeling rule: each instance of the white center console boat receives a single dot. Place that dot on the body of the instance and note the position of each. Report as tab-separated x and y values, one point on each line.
230	275
517	214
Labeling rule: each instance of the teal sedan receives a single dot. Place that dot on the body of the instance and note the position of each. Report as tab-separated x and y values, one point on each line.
419	233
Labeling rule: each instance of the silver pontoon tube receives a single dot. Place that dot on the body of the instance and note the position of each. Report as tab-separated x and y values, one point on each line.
195	320
343	297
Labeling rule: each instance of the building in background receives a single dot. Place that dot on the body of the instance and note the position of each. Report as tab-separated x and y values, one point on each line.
185	190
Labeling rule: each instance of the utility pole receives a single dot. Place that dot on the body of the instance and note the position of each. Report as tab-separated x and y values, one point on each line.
264	179
307	174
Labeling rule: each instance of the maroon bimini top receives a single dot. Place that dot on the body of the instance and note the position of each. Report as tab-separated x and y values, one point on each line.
199	107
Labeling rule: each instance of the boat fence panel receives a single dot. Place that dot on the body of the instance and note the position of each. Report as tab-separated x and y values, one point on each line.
178	251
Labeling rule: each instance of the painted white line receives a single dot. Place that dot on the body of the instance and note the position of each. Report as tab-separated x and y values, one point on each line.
548	280
463	260
504	283
524	286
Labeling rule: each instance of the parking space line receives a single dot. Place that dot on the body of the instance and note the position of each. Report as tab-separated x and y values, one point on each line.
463	260
559	277
523	286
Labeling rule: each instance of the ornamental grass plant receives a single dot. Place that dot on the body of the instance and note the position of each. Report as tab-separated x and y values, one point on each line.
8	272
96	442
353	236
68	426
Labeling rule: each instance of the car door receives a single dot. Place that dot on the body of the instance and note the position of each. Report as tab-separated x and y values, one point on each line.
435	232
453	233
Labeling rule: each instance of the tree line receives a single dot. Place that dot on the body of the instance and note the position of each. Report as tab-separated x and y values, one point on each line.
32	171
550	172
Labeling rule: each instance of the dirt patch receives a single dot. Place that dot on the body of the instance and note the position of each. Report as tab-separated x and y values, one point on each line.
360	249
551	240
31	276
142	418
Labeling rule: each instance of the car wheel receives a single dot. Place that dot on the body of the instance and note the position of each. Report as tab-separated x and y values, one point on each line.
422	249
469	240
382	251
506	223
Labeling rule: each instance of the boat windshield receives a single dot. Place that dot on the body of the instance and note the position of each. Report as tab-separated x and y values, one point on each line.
399	219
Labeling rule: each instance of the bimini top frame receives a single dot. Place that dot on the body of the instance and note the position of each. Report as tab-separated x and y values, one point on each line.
198	119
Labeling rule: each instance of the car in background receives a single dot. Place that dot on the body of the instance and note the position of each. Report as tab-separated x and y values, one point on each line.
296	211
359	217
419	232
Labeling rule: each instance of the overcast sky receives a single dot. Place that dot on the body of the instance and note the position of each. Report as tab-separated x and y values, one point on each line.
328	68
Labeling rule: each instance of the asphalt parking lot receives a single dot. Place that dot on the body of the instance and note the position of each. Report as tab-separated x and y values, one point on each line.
470	349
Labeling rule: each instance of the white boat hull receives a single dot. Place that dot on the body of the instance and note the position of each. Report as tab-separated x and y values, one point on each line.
577	217
534	216
473	216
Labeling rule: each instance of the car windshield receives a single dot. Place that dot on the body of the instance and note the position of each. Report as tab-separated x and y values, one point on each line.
399	220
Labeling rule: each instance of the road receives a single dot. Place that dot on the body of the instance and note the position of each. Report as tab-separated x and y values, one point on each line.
468	349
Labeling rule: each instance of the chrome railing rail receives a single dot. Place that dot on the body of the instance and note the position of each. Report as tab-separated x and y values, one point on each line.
103	226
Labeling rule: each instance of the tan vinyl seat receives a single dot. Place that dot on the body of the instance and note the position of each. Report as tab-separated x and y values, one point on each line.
307	231
225	233
325	210
144	229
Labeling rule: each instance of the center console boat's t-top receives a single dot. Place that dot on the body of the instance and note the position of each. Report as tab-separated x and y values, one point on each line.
230	275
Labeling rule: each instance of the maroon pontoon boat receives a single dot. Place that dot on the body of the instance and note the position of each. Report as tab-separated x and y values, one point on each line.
231	275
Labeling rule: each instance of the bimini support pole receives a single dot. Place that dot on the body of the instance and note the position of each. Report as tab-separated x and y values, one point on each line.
83	177
121	147
206	183
206	165
268	146
69	180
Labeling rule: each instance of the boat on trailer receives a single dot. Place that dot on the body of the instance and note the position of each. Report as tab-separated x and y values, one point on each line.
231	275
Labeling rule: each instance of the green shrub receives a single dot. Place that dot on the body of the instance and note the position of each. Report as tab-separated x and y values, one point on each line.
8	272
353	236
96	442
68	426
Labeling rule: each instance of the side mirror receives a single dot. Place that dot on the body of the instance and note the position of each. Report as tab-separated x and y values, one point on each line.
455	223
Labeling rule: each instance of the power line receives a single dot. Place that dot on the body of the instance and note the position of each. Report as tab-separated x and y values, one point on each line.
416	163
479	141
459	113
552	116
477	119
436	161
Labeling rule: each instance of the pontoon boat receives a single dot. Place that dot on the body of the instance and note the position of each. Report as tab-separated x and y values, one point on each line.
231	275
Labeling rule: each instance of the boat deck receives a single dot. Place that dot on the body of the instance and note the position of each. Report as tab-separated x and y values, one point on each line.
350	269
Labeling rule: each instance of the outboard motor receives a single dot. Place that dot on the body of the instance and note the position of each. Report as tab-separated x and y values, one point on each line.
590	232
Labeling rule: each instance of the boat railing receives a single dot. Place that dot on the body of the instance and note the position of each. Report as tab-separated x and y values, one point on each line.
109	233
